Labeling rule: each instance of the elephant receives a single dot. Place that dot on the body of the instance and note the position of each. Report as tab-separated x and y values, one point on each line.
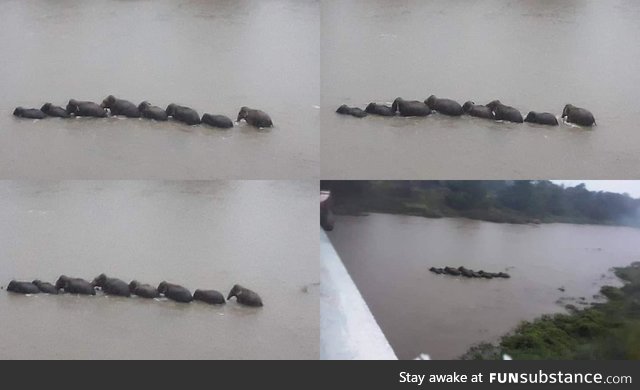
83	108
152	112
255	118
183	114
541	118
29	113
466	272
353	111
380	109
45	287
112	286
477	110
410	107
452	271
502	112
75	286
486	275
143	290
502	275
219	121
212	297
444	106
23	287
120	107
175	292
245	296
578	115
435	270
56	111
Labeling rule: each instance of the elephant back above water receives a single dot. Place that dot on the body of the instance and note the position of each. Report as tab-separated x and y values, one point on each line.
29	113
55	111
152	112
477	110
245	296
504	112
175	292
256	118
23	287
444	106
410	107
541	118
45	287
353	111
75	286
112	286
85	108
379	109
183	114
143	290
120	107
577	115
211	297
219	121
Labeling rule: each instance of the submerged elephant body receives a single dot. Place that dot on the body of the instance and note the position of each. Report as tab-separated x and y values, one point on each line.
29	113
380	109
353	111
45	287
219	121
143	290
212	297
112	286
410	107
255	118
183	114
84	108
175	292
120	107
504	112
477	110
23	287
577	115
541	118
152	112
444	106
245	296
55	111
75	286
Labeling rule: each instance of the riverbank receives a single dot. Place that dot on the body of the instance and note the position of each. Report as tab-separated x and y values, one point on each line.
608	330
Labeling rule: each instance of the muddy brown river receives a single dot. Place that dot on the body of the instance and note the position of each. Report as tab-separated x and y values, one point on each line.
389	256
209	235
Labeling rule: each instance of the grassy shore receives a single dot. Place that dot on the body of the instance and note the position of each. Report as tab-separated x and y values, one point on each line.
604	331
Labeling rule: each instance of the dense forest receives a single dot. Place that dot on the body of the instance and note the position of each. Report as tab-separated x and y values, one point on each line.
521	201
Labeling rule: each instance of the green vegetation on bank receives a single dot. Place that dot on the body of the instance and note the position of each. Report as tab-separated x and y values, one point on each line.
521	201
604	331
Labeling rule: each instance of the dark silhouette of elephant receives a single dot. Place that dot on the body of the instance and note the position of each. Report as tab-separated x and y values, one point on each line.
255	118
112	286
75	286
410	107
577	115
120	107
22	287
353	111
152	112
45	287
379	109
29	113
84	108
541	118
444	106
245	296
477	110
504	112
143	290
183	114
175	292
212	297
55	111
219	121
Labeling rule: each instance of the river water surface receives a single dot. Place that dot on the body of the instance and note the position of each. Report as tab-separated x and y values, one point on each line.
534	55
389	256
209	235
214	56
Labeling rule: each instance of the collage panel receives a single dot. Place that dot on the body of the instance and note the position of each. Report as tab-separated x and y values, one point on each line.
489	270
562	67
224	270
204	57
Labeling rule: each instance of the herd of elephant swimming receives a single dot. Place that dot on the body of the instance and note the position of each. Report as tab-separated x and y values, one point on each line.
469	273
117	287
494	110
120	107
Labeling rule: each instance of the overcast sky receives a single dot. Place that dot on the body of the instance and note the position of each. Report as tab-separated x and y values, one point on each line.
632	187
